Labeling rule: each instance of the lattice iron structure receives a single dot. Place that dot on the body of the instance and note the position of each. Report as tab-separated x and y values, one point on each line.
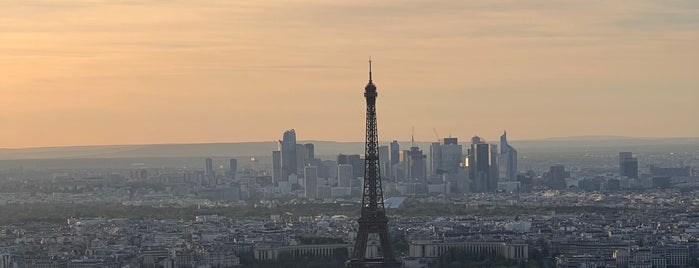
373	219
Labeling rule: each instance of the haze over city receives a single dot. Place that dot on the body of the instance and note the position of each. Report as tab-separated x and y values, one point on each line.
86	72
363	134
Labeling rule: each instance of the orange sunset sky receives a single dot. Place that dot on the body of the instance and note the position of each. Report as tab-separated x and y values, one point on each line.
87	72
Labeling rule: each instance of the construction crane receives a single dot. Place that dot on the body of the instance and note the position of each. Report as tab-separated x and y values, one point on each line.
436	136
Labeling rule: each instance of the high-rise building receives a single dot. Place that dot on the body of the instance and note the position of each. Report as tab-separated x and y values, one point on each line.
462	183
508	159
436	159
480	168
311	182
385	161
287	146
344	175
233	167
355	160
277	167
329	169
310	151
445	161
494	168
342	159
393	156
556	177
395	151
300	157
628	165
209	168
416	165
445	156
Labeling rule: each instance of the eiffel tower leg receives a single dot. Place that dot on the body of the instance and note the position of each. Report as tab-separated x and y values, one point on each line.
386	248
359	252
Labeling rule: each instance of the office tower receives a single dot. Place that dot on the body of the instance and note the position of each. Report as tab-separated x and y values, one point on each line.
628	165
445	161
310	151
288	148
479	165
416	165
329	168
209	168
508	159
436	159
556	177
277	167
355	160
395	150
385	161
357	165
373	218
342	159
394	155
311	182
233	167
462	182
445	156
344	175
494	174
300	157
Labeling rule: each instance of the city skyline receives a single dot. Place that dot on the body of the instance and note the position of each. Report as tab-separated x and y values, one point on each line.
177	72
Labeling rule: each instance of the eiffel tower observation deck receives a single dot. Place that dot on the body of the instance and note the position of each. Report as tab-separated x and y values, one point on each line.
373	218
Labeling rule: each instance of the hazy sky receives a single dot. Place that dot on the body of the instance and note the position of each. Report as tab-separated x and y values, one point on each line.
80	72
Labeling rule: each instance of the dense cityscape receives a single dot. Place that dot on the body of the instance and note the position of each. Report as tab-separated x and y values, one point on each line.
634	211
236	134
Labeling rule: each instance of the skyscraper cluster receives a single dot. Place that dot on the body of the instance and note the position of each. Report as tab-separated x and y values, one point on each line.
295	164
483	166
447	168
290	158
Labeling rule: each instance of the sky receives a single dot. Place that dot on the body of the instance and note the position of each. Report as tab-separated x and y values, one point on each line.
98	72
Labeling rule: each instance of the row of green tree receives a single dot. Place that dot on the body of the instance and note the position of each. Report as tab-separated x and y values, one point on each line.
59	212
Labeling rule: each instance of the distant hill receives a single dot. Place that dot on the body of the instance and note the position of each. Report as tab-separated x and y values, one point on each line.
321	148
609	142
169	150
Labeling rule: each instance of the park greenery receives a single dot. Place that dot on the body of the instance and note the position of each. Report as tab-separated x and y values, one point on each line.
59	212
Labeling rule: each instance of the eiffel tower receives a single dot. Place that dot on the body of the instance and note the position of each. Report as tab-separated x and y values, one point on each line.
373	219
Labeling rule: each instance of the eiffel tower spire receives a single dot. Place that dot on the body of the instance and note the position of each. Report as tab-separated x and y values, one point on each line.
373	218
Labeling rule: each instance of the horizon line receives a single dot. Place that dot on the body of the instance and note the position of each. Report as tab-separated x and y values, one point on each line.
572	138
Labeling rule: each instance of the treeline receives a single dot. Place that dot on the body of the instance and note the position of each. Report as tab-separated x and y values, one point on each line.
59	212
317	240
413	207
